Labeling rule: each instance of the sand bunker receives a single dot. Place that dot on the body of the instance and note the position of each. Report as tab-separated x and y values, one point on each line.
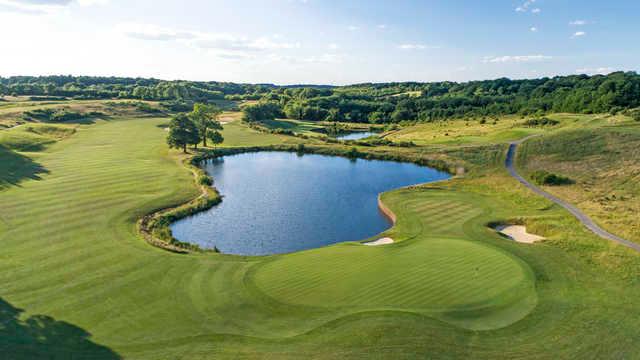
518	233
383	241
226	119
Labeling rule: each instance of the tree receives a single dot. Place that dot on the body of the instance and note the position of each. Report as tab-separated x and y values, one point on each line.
215	137
261	112
182	132
205	118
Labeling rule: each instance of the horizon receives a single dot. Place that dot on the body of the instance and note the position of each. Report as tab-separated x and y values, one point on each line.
318	84
293	42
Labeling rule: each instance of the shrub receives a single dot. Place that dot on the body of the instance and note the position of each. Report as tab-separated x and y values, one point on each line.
205	180
38	114
542	177
541	122
177	105
353	152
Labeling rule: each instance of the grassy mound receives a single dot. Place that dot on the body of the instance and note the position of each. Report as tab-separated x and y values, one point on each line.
424	273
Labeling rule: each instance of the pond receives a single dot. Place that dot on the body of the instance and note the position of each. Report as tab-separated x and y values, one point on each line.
280	202
357	135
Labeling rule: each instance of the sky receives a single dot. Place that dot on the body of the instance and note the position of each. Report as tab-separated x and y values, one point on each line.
319	41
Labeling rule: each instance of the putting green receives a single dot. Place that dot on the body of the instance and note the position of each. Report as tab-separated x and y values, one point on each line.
426	274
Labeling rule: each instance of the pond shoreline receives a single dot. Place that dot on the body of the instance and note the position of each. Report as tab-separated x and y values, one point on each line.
155	226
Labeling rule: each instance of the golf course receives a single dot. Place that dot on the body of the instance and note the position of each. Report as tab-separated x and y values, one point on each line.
78	279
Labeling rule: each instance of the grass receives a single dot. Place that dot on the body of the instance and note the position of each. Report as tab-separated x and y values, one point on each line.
464	132
484	287
297	126
604	161
12	112
449	288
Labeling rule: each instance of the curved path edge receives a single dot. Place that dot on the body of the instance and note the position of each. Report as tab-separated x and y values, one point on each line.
584	219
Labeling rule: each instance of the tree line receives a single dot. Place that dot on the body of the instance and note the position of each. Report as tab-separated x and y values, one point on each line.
198	126
366	103
397	102
92	87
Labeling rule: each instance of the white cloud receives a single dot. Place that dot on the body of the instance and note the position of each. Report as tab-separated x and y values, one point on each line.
92	2
536	11
316	59
265	43
593	71
410	46
40	2
333	46
526	5
31	7
578	22
353	28
382	26
517	58
578	34
202	40
153	32
324	58
42	7
533	29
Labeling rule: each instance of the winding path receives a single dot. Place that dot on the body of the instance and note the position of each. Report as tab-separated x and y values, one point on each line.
584	219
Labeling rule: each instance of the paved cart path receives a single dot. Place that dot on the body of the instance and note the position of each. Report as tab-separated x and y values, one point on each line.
584	219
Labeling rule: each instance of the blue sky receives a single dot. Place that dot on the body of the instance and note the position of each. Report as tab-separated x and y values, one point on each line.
319	41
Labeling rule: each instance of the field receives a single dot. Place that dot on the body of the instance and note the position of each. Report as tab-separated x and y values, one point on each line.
603	162
76	278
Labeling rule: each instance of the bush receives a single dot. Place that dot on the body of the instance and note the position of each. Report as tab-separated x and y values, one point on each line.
177	105
65	115
541	122
38	114
353	152
542	177
205	180
261	112
52	115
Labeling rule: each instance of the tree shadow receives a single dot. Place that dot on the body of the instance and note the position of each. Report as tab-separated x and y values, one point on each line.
43	337
15	168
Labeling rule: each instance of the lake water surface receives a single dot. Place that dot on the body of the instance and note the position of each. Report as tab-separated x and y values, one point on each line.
355	135
279	202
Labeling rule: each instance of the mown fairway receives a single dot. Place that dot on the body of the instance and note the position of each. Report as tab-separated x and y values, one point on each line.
449	288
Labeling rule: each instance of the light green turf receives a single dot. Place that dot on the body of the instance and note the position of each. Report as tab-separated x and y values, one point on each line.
76	279
298	126
429	272
237	134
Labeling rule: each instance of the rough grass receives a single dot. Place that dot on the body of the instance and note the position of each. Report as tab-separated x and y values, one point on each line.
11	113
605	162
70	252
464	132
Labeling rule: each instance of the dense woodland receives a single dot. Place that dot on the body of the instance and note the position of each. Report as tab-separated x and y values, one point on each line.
374	103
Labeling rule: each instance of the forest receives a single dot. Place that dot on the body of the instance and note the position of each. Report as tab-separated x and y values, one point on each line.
364	103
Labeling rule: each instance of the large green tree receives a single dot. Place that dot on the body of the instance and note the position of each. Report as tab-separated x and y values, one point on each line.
205	117
261	112
215	137
182	132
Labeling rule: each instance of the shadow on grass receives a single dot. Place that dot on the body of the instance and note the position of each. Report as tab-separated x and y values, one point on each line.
88	120
15	168
43	337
